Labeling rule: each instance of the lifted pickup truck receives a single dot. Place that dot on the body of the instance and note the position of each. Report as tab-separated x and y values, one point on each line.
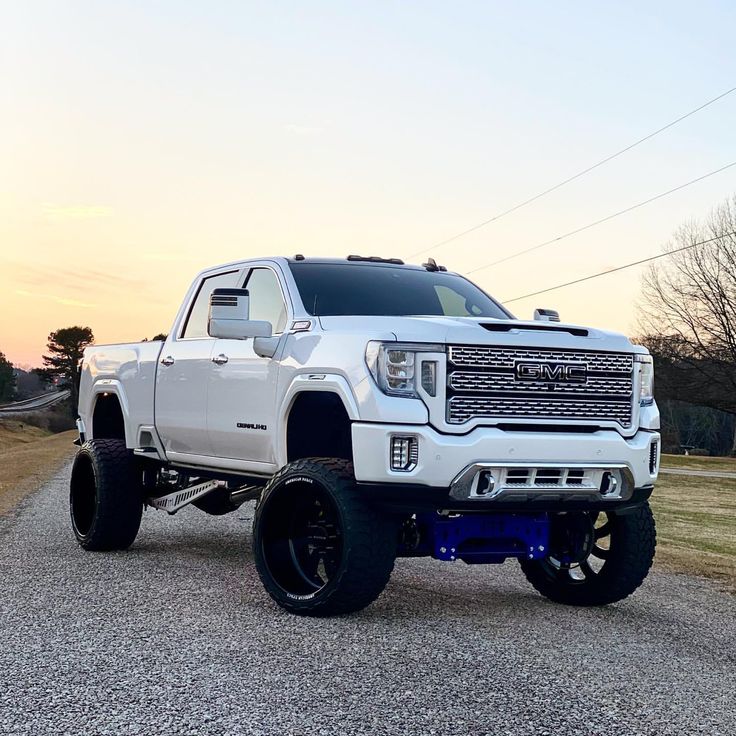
376	410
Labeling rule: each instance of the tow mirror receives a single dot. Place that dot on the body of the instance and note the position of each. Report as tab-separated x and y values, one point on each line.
228	316
546	315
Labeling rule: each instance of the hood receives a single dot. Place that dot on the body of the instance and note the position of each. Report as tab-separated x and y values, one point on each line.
485	331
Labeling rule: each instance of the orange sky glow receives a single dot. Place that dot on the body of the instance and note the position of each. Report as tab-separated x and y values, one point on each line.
139	144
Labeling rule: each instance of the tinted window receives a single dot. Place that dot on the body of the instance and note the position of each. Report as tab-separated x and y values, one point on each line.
266	299
196	325
330	289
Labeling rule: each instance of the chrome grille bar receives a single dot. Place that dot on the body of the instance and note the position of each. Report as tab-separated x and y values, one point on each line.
487	382
462	409
480	356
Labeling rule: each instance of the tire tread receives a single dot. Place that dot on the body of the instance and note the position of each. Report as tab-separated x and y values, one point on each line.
623	573
119	497
370	536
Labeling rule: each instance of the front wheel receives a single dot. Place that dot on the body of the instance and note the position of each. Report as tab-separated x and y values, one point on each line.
320	550
595	558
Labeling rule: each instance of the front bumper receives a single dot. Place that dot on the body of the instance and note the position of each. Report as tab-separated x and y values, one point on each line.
453	462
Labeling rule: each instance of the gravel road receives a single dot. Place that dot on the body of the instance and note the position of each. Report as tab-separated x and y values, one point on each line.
176	636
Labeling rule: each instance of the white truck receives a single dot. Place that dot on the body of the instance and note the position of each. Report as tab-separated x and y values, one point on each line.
376	410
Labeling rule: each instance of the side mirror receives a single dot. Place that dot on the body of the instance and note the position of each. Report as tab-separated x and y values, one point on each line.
228	317
546	315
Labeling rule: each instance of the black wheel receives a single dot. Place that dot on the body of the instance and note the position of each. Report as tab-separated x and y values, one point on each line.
319	549
216	503
105	496
595	558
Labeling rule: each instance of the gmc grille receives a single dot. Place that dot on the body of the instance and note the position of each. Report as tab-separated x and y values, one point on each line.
485	382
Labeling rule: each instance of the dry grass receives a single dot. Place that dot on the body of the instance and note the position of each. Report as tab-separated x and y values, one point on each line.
696	525
690	462
14	432
28	457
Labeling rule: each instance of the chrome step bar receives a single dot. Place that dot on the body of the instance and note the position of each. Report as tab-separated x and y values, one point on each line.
172	502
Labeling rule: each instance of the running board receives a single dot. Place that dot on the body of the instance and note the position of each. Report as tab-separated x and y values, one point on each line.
172	502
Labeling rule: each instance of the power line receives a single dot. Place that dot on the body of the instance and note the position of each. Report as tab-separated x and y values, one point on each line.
603	219
573	177
619	268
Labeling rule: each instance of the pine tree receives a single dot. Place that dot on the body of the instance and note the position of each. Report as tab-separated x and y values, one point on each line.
61	364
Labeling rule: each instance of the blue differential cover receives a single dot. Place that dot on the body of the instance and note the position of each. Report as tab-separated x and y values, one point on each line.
484	538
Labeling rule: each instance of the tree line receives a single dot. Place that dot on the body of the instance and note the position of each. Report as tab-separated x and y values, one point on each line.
688	322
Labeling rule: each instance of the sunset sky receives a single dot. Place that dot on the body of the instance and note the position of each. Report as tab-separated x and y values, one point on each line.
143	141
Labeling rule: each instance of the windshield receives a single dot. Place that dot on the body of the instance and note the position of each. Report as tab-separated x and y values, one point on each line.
367	289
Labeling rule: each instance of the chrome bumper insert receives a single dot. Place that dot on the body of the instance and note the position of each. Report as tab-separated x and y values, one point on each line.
523	481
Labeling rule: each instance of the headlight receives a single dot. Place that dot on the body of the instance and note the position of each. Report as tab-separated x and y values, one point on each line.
646	390
395	367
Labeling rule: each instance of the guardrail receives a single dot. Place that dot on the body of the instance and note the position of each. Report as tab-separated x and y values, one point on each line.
34	404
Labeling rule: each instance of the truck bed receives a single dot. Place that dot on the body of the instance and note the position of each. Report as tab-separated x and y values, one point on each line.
125	369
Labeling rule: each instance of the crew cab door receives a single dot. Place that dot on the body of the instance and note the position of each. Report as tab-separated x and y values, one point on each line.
183	375
241	403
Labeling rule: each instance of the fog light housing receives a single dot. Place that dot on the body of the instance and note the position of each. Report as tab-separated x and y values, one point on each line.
653	458
404	453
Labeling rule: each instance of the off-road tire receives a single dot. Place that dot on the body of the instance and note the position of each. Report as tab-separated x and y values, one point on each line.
367	539
105	496
632	545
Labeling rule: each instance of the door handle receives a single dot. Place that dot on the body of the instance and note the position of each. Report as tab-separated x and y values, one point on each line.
220	359
168	360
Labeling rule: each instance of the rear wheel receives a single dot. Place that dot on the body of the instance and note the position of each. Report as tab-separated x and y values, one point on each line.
105	496
595	558
319	549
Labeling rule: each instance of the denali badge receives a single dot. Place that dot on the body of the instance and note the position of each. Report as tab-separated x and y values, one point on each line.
551	372
250	425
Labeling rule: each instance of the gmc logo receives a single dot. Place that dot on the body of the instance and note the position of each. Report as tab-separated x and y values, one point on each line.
551	372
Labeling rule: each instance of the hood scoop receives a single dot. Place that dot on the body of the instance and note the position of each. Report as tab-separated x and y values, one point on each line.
511	327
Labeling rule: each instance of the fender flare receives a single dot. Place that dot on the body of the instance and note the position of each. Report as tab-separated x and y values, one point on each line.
103	387
324	382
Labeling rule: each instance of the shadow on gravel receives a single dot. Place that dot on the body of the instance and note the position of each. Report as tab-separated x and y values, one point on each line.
194	547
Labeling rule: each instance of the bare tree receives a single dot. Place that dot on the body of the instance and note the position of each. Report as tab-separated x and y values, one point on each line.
688	312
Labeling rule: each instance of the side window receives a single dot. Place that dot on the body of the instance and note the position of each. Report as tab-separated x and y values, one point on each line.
196	325
266	299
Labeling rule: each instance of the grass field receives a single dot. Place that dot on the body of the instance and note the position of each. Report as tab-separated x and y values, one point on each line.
696	519
690	462
28	456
